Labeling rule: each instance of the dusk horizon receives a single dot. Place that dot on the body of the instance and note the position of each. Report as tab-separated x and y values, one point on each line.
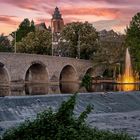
103	14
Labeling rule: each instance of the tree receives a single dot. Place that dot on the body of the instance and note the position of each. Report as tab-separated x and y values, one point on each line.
80	37
133	40
24	28
110	52
5	45
111	47
87	81
38	42
32	27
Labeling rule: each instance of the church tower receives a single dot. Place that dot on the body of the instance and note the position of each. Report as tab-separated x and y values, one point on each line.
57	22
57	25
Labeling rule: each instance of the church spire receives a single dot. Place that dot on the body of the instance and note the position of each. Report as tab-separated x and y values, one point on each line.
57	25
56	14
57	22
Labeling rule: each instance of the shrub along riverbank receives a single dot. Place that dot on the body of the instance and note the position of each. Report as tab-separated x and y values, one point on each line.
61	125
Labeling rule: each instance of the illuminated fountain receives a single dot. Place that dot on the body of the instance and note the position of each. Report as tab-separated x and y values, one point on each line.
128	78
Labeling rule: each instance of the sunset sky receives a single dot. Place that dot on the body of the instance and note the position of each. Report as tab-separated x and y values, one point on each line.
103	14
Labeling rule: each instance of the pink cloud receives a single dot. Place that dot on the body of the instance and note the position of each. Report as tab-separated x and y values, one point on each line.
34	4
107	12
72	10
24	4
115	2
11	20
42	20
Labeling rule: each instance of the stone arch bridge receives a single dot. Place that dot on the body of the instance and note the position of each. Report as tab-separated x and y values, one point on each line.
21	68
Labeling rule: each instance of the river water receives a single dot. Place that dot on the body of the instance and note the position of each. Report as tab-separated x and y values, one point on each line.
64	88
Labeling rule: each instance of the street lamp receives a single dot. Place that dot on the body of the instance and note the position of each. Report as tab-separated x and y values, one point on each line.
79	45
52	43
15	48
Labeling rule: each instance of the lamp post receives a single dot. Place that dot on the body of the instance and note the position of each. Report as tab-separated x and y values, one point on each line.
79	49
52	43
15	47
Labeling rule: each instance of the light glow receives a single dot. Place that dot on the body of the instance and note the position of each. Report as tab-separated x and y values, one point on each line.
127	78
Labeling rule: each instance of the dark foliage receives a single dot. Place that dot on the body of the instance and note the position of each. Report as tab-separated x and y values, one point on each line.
80	40
87	81
133	40
25	27
5	45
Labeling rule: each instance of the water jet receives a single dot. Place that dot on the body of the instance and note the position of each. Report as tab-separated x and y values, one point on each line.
128	79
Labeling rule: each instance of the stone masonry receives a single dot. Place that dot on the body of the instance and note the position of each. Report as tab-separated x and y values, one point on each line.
20	67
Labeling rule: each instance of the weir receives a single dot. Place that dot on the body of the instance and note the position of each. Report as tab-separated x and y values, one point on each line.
111	110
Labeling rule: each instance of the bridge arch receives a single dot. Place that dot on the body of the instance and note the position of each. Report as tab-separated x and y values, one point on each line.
4	75
36	72
68	74
90	71
108	73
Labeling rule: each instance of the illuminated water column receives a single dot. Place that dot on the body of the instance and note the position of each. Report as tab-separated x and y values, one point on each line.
127	80
128	73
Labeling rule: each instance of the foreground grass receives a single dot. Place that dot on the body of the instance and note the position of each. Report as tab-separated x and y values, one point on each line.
61	125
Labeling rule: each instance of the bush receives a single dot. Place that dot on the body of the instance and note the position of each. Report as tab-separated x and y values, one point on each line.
87	81
61	125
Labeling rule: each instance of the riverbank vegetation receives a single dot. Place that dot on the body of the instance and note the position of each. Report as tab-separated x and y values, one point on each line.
133	40
87	81
61	125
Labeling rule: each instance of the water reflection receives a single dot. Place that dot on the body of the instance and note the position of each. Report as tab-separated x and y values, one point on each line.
36	89
4	91
64	88
69	87
103	87
128	87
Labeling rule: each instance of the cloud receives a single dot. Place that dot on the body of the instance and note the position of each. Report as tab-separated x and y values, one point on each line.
105	24
24	4
71	19
111	13
92	11
115	2
42	20
107	12
48	21
36	4
120	2
72	7
10	20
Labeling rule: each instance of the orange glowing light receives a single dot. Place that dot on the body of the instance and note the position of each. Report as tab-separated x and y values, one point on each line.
126	84
127	78
128	87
